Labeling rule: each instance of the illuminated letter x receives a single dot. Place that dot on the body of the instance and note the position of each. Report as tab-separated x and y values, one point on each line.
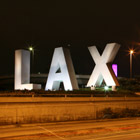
103	68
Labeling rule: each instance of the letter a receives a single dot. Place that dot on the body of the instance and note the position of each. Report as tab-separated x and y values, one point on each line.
103	68
61	70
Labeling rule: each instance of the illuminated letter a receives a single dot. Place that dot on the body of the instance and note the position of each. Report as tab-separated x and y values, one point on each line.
61	70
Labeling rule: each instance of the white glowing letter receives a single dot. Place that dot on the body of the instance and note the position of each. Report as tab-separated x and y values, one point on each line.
61	70
22	71
103	69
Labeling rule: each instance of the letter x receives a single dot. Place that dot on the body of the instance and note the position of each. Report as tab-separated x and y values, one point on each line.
103	68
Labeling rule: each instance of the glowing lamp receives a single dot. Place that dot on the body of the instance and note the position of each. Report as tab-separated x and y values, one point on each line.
30	48
131	51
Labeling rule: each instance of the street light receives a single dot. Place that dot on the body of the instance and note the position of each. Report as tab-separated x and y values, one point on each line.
31	49
131	53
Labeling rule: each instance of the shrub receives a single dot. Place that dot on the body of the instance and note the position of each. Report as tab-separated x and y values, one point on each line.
75	93
108	113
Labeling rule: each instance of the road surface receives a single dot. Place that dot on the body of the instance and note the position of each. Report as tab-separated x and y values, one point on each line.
121	129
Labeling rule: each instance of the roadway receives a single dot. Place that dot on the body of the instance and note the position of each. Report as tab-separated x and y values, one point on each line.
118	129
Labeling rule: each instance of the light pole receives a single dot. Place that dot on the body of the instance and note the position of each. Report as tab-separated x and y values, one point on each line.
131	53
31	49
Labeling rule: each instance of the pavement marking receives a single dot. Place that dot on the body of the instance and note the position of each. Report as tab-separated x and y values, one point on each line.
52	133
116	136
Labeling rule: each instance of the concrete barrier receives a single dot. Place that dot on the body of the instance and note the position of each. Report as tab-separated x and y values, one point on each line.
65	99
48	109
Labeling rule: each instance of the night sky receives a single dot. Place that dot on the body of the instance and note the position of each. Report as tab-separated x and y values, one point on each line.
74	24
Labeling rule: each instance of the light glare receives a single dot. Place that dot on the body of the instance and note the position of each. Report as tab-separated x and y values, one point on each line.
131	51
30	48
106	87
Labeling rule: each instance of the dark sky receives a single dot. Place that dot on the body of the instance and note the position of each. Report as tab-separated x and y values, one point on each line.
47	24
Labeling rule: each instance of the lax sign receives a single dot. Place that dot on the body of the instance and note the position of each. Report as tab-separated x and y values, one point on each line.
62	70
